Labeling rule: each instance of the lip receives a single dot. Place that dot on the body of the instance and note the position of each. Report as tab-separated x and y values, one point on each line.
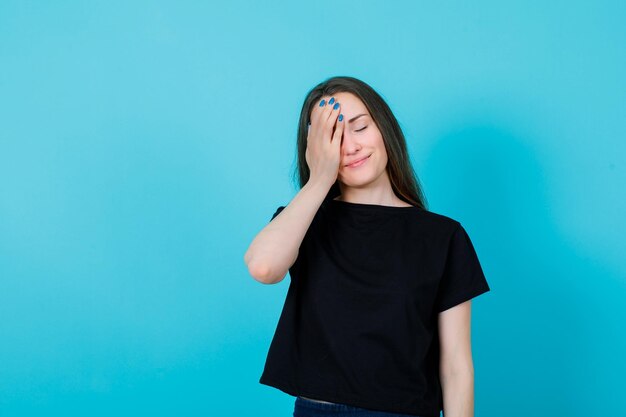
359	162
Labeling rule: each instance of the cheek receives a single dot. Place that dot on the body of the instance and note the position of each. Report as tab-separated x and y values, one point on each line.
381	156
381	160
379	145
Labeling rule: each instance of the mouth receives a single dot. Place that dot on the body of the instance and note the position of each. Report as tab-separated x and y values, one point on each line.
359	162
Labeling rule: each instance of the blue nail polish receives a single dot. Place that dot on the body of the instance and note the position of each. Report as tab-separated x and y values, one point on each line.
332	100
336	106
340	117
322	103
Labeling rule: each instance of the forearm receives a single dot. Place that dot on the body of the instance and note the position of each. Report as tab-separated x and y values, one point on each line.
458	393
276	246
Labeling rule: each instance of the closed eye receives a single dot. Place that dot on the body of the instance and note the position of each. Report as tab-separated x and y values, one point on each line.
363	128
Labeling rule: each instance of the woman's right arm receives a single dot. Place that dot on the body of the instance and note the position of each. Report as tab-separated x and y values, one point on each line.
275	248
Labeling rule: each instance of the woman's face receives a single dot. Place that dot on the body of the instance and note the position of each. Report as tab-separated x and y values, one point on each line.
361	139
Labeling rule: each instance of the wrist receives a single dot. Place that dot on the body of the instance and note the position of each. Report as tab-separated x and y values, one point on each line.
320	184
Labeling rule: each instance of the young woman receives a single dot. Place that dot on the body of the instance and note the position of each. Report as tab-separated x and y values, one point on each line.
376	321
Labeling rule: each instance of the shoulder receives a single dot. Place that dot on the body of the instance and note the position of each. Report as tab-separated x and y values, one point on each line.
438	221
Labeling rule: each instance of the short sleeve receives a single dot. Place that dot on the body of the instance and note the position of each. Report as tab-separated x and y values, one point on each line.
277	212
463	277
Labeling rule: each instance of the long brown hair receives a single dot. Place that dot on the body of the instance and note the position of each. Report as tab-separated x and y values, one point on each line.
404	181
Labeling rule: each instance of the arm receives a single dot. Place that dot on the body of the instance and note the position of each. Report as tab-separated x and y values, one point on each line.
456	367
275	248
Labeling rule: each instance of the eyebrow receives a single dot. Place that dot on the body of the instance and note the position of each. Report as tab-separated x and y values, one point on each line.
356	117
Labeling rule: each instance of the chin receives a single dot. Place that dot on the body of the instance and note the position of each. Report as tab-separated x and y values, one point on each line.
360	179
357	182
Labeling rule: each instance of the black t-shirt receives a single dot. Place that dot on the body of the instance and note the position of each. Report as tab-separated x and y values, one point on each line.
359	323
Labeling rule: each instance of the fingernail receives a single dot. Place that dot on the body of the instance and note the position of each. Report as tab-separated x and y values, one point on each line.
322	103
332	100
340	117
336	106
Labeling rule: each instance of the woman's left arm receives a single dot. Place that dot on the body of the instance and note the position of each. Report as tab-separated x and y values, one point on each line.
456	368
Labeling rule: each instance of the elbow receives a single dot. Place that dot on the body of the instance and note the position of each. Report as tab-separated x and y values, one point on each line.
265	275
262	272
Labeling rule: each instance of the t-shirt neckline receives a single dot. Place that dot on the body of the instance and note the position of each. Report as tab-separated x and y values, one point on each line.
369	207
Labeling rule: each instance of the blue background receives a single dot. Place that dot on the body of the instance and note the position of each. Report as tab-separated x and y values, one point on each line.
143	145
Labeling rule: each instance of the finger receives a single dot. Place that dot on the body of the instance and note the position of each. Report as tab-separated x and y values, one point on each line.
332	107
332	118
319	110
338	129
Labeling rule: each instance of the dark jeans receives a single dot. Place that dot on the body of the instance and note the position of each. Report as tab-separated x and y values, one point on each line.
306	408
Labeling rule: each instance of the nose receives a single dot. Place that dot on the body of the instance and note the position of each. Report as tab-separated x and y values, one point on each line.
349	142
